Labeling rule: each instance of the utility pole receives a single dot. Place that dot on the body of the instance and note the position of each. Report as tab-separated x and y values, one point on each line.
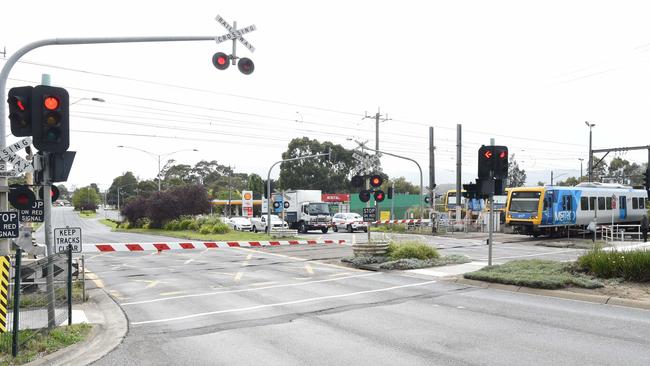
378	118
581	159
458	168
432	168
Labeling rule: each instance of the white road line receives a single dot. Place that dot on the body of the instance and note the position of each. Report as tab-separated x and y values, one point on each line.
257	307
249	289
188	261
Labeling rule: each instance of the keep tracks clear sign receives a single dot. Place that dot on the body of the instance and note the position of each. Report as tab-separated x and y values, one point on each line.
67	236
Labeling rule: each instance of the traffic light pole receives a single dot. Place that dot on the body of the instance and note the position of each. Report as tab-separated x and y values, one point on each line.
11	61
268	186
421	177
490	229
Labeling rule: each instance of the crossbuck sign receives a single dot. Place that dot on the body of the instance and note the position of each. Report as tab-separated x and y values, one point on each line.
366	164
235	34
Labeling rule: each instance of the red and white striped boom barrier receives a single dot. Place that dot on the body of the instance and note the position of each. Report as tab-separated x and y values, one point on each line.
412	221
161	246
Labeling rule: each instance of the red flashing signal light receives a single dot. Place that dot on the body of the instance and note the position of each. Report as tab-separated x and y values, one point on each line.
19	100
379	196
51	103
220	60
487	154
503	154
246	66
376	181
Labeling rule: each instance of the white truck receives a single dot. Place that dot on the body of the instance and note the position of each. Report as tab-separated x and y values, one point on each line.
304	210
259	223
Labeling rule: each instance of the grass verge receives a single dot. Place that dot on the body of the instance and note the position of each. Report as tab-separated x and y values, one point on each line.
41	344
535	273
193	235
87	214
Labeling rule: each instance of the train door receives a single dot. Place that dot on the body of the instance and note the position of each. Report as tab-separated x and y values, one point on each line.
547	210
622	203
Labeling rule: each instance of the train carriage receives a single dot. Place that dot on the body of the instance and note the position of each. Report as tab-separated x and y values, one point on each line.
552	210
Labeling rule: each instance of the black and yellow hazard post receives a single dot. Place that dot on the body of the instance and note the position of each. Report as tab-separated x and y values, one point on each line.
5	264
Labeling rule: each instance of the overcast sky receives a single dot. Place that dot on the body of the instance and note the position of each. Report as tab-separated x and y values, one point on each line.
528	74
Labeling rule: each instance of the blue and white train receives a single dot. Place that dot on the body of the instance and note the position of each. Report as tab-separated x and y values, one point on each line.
552	210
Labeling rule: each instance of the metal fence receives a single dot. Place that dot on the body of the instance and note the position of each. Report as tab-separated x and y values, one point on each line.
39	299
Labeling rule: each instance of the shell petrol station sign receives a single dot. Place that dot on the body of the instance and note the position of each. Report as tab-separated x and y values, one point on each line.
247	203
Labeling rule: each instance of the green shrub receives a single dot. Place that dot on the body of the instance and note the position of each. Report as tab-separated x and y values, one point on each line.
171	225
184	224
411	250
193	226
206	229
629	265
220	228
391	228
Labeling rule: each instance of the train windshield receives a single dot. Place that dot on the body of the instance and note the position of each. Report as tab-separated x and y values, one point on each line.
524	201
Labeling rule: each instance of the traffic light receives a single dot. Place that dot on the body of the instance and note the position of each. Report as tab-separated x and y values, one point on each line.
220	60
364	196
50	119
389	194
19	101
54	193
246	66
493	162
21	197
471	190
427	199
376	181
379	195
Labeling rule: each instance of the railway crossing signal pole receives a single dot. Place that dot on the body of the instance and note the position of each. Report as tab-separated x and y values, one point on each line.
11	61
617	149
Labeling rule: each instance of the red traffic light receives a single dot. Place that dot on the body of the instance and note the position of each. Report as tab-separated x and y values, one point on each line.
51	103
503	154
379	195
376	181
20	104
487	154
220	60
246	66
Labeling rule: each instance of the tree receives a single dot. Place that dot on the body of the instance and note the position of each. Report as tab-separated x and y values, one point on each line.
599	169
127	184
402	186
624	172
256	184
316	173
85	199
160	207
516	176
569	182
63	192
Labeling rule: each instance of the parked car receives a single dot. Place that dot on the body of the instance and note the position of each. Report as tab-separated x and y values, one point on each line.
259	223
239	223
349	221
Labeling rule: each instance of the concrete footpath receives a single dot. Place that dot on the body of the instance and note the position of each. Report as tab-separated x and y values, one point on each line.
109	328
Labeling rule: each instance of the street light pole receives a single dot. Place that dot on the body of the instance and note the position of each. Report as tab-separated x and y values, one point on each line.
581	159
590	164
158	156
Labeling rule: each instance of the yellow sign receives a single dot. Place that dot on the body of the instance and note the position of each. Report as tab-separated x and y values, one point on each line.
385	215
5	264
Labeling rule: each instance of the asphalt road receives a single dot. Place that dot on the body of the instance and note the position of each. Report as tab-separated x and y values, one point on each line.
285	306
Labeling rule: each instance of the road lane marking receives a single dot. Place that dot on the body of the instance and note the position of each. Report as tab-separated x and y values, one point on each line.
93	277
339	274
250	289
309	269
239	275
188	261
303	260
150	283
171	293
258	307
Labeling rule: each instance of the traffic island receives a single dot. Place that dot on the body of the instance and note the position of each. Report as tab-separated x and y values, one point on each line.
383	255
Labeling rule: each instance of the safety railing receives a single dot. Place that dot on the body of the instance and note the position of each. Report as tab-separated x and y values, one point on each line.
621	232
